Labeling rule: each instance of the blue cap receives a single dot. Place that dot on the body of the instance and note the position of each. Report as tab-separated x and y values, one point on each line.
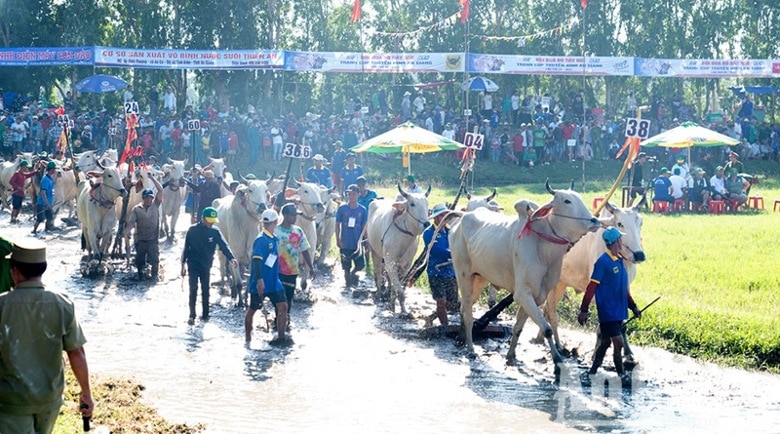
148	193
611	235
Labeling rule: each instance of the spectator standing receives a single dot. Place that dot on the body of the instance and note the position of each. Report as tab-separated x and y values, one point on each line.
638	179
169	101
207	191
153	98
201	241
292	245
351	217
127	95
36	326
277	140
338	160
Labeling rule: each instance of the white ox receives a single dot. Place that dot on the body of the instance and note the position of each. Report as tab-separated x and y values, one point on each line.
578	262
239	222
393	230
483	202
96	209
66	190
519	253
173	196
90	161
307	198
326	224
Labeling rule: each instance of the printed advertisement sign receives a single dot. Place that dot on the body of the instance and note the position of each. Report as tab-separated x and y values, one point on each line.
189	59
45	56
373	62
705	68
550	65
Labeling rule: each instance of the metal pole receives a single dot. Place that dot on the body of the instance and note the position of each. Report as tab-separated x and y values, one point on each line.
584	117
466	72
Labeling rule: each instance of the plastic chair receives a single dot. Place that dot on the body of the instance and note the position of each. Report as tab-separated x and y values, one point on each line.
660	206
679	205
717	207
756	202
777	205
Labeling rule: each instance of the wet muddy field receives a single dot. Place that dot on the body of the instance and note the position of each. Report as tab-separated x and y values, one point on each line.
356	367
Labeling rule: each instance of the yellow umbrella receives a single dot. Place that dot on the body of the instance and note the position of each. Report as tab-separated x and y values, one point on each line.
407	138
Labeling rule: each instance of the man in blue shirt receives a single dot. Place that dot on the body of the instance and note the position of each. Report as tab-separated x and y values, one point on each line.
662	187
351	172
441	274
46	199
366	196
264	280
319	174
609	283
351	217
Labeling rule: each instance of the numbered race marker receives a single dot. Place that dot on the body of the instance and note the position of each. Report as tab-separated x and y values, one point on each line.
474	141
637	128
131	108
364	110
467	112
193	124
294	150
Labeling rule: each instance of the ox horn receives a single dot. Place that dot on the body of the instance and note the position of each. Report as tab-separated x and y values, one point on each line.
169	160
611	208
97	162
403	193
241	177
271	176
491	196
427	192
571	186
548	188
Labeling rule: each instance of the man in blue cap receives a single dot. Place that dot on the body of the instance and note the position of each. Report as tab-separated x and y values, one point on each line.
609	283
145	217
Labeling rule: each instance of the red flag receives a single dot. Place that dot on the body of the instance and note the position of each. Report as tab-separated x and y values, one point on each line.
464	10
132	135
584	4
60	111
355	17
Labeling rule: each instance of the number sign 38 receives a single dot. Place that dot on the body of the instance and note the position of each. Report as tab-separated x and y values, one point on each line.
294	150
637	128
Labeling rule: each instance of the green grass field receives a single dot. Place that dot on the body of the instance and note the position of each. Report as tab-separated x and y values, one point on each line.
716	274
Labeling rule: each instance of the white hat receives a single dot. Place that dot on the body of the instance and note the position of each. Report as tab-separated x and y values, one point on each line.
407	93
318	157
270	215
437	209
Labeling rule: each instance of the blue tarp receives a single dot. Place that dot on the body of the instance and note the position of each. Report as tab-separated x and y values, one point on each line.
758	90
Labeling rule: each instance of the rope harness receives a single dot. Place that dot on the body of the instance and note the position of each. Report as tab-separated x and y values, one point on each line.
102	201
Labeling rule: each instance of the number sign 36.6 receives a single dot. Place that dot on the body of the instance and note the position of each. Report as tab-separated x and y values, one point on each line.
294	150
637	128
473	140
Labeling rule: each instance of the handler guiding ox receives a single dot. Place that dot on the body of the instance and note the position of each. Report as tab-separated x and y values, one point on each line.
523	254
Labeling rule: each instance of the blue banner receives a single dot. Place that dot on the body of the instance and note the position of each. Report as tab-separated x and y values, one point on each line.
50	56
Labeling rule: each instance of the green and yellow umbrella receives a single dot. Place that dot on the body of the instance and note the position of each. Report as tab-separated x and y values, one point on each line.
407	138
687	135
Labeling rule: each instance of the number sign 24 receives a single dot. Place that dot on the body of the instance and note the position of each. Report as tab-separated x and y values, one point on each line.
131	108
294	150
637	128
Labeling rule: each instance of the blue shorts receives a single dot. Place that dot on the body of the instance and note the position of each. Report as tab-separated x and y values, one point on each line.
16	201
610	329
43	214
256	302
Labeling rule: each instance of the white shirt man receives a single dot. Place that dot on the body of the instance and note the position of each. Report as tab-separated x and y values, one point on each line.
678	183
169	100
487	102
684	171
448	132
718	182
515	102
128	95
419	103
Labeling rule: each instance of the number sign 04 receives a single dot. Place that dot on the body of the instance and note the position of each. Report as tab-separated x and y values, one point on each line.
473	140
637	128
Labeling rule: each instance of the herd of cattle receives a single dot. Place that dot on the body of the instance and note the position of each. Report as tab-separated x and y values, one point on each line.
535	252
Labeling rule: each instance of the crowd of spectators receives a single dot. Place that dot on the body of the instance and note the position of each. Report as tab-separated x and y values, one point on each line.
524	130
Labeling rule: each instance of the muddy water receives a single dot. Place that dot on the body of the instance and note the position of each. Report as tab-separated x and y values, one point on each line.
356	368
